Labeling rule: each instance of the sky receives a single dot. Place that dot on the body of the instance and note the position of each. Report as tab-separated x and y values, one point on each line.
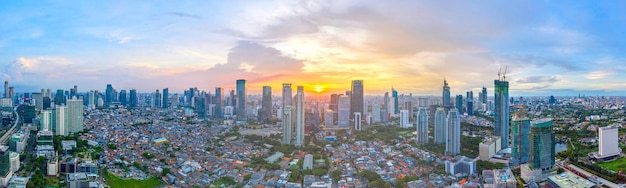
546	47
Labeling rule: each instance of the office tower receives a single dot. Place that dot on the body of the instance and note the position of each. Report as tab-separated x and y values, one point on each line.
241	99
123	99
453	133
286	121
232	100
219	102
91	101
483	98
334	105
299	116
200	106
520	145
165	103
394	94
404	119
608	143
156	99
446	93
5	163
46	103
459	103
358	124
541	160
58	97
376	113
38	97
266	105
501	119
422	126
133	99
552	100
108	96
440	126
470	102
386	107
6	89
356	98
59	113
75	91
74	115
408	105
343	114
11	93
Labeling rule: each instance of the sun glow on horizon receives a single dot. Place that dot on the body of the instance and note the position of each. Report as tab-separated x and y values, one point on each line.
318	88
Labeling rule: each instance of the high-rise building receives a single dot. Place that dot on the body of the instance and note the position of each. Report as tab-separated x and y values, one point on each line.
483	98
46	120
266	105
6	89
123	98
542	152
11	93
394	94
356	98
501	119
343	115
108	95
5	163
200	106
299	116
59	113
241	99
376	113
133	98
334	106
74	115
59	97
358	124
219	102
422	126
520	144
286	121
608	143
156	99
166	95
459	103
470	102
386	107
440	126
446	93
404	119
38	97
453	133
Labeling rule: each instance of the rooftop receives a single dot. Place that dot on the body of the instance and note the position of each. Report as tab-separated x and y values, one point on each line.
568	179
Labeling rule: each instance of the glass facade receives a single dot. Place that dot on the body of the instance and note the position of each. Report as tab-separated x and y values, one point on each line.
501	119
541	145
520	144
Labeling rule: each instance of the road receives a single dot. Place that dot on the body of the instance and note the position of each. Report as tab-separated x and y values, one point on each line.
10	132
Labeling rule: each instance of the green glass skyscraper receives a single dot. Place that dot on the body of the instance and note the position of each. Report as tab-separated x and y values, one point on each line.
501	119
520	144
241	99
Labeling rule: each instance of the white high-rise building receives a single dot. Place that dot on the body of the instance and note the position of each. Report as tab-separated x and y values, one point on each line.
404	119
440	126
46	120
343	116
74	115
422	126
608	144
376	113
60	120
358	124
453	133
299	116
286	113
91	104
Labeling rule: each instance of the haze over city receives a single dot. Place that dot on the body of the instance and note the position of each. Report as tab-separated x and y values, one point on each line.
550	48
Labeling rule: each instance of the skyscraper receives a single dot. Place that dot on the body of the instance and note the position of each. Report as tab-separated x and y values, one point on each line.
241	99
219	102
266	105
46	120
484	95
108	95
542	152
470	102
608	143
38	97
520	145
165	103
422	126
133	98
356	98
6	89
501	119
286	119
343	114
386	108
299	116
404	119
358	125
59	97
60	120
459	103
453	133
376	116
446	93
123	98
156	99
334	105
440	126
394	94
74	115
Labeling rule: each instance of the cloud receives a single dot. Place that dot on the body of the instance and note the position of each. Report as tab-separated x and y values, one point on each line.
41	67
185	15
595	75
538	79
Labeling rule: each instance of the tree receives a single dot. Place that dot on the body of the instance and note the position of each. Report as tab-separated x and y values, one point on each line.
165	171
319	172
336	175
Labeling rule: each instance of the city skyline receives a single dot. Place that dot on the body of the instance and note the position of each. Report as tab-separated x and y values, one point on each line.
560	49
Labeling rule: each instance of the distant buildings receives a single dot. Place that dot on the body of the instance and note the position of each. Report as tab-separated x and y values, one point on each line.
422	126
501	119
343	115
219	102
404	119
265	112
470	102
165	103
541	160
394	94
461	165
446	93
440	126
453	133
376	115
499	178
356	99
